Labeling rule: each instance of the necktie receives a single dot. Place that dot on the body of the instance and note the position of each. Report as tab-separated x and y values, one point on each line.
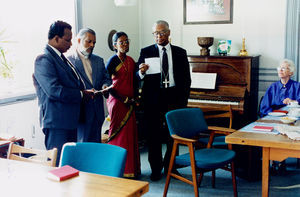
69	64
165	68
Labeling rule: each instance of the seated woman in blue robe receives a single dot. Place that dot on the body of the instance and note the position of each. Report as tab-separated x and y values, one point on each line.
282	92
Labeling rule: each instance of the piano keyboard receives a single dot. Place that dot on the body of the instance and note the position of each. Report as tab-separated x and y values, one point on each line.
213	102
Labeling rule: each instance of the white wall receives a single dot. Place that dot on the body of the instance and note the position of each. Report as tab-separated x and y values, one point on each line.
261	22
103	16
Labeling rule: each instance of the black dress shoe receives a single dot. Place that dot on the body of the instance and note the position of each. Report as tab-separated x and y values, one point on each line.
155	176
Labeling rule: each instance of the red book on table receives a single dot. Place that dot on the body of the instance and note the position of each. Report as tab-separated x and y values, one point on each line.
262	128
63	173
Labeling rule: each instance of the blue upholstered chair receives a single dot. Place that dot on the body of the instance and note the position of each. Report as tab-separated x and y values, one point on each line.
99	158
184	125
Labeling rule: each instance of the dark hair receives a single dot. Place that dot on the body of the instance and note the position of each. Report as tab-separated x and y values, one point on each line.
116	36
82	32
58	28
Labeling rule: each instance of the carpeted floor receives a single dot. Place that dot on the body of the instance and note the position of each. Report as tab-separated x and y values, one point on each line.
286	184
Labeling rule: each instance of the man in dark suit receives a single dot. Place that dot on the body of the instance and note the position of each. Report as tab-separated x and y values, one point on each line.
92	70
59	89
161	93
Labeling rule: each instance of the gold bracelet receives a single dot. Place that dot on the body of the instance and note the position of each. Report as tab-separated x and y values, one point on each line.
126	100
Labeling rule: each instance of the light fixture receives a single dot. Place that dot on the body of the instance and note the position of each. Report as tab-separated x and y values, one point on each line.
125	2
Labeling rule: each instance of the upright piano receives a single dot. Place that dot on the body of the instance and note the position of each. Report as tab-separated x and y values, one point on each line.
236	84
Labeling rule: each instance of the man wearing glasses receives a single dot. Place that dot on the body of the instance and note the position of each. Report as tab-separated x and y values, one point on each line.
59	89
161	92
92	70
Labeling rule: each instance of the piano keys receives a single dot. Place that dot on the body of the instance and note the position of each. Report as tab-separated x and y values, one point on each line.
218	102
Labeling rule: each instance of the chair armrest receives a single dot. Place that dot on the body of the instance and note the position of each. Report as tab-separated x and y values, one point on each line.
182	139
221	130
218	130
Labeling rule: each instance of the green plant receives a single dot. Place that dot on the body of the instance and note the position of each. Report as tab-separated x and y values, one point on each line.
5	66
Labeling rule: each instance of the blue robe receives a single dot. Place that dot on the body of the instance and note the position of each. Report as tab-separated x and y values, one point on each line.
276	93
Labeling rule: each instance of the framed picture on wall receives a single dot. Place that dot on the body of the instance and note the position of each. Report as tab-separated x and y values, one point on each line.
207	11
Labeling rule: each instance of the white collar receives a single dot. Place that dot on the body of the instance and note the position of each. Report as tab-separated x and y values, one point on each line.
168	47
55	50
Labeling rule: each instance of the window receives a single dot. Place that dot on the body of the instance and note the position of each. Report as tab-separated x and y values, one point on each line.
24	27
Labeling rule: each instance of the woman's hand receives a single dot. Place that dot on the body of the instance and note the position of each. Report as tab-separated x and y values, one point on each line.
287	101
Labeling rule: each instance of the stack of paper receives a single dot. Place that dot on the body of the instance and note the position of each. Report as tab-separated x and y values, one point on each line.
293	132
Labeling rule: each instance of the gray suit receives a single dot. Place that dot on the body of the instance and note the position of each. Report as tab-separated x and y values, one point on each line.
58	90
89	129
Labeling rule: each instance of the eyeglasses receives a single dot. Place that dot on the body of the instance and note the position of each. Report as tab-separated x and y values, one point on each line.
282	69
161	33
123	42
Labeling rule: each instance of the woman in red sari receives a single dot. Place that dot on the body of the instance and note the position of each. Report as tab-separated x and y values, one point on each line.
120	103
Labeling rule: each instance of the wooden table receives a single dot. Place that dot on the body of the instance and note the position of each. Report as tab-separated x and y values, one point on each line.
27	179
275	147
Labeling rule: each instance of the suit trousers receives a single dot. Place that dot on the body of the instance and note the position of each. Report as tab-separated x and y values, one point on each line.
157	130
90	131
56	138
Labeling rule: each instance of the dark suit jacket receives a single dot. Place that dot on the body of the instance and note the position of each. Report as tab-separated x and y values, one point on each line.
58	91
152	83
100	77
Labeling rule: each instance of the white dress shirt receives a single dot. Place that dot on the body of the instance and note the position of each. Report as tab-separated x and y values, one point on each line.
86	65
170	61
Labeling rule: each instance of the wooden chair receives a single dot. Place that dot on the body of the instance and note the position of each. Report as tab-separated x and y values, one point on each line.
45	157
221	112
183	125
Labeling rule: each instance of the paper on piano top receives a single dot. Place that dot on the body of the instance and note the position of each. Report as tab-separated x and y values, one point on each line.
203	80
154	65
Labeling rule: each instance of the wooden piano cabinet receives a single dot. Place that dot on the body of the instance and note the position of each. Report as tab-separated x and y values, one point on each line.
233	73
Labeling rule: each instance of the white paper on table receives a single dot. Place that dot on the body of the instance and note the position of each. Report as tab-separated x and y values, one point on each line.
203	80
154	65
293	132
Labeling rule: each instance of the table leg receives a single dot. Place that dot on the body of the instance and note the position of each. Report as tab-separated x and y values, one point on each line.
265	171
